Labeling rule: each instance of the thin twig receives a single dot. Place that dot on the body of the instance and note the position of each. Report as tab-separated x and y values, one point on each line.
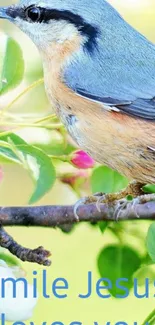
38	255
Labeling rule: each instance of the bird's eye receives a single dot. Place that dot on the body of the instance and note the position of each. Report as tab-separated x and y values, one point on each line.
33	14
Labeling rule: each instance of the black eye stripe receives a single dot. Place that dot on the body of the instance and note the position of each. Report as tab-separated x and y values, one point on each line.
85	28
63	15
49	14
46	15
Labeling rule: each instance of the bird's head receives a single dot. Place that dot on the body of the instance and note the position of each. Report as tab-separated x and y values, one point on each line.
47	21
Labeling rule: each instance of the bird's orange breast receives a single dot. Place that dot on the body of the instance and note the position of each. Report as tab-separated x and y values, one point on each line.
112	138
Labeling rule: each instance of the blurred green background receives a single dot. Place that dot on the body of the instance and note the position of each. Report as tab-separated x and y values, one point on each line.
75	254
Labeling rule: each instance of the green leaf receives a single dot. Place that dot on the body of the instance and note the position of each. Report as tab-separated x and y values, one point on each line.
6	154
11	65
152	320
40	168
102	225
106	180
9	259
38	164
146	271
116	262
149	188
150	241
14	137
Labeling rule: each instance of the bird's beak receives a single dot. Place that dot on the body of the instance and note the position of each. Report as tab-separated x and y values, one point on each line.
9	13
3	13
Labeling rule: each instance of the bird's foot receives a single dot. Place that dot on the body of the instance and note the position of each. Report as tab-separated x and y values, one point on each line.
86	200
129	206
134	189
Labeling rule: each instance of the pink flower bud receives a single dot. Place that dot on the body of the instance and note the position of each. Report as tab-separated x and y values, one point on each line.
81	159
72	178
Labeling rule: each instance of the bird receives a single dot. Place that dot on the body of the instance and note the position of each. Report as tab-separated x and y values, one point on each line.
99	75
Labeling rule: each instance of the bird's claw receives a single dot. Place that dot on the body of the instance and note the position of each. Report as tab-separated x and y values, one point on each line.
110	199
123	204
101	199
133	203
86	200
76	206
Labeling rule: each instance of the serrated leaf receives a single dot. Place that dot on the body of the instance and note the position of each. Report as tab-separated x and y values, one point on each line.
11	64
150	241
107	180
115	262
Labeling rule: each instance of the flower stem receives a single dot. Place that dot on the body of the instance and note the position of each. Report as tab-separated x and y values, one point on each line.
25	125
33	85
63	158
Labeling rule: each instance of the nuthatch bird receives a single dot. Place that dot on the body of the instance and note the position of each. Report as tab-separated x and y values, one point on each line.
100	77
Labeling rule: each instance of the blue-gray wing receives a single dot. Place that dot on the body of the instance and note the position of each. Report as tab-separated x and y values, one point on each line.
119	71
144	108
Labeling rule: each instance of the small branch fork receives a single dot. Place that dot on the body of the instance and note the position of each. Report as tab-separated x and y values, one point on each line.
54	216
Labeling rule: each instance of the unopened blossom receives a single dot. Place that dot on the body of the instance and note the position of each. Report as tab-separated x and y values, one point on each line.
73	177
81	159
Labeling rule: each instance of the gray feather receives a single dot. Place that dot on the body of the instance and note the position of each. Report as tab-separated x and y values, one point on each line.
121	67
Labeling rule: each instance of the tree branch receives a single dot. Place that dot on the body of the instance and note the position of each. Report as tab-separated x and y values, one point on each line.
142	208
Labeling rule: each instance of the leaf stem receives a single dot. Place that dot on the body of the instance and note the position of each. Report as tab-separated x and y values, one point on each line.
26	90
63	158
152	322
46	118
21	125
30	117
150	318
